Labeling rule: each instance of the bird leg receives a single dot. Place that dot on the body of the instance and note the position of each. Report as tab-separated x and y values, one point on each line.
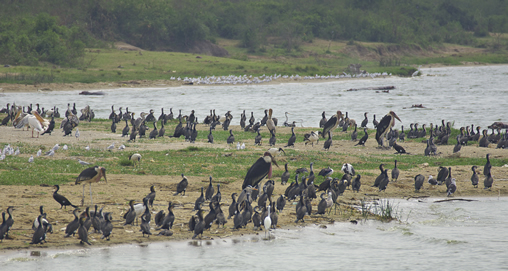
91	194
83	198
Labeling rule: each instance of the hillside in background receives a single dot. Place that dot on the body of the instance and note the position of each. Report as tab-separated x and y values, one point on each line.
326	33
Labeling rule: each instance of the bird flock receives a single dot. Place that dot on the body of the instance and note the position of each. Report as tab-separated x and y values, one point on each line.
301	192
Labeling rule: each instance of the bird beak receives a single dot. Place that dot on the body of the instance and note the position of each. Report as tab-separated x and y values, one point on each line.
397	117
275	162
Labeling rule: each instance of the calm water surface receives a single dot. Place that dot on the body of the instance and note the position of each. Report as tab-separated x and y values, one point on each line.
465	95
444	236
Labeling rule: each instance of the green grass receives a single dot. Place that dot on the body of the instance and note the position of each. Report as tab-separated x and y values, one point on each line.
319	57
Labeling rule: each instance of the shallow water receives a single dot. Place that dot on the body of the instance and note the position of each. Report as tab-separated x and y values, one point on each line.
445	236
465	95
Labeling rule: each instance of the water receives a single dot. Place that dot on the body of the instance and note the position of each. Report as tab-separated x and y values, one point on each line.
465	95
446	236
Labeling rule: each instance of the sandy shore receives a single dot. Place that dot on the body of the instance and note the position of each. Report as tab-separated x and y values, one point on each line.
121	188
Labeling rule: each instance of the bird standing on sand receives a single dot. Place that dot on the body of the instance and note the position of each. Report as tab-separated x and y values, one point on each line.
90	175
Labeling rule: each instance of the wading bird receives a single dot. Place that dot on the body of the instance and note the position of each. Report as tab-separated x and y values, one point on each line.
90	175
261	168
387	122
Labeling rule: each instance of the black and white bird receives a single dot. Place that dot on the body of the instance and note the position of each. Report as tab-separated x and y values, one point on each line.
348	169
261	168
387	122
326	172
332	123
182	186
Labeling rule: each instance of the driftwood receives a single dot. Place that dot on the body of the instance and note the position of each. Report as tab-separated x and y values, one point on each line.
445	200
373	88
91	93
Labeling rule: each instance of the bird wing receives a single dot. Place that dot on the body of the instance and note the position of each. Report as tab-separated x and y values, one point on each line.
256	173
21	122
383	126
86	175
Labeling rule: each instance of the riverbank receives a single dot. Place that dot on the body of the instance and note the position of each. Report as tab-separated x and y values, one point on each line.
134	183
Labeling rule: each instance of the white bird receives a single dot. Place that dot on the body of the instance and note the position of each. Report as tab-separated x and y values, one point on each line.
17	151
77	133
267	223
243	146
2	157
238	145
135	157
39	152
31	159
65	147
55	148
83	162
87	148
110	147
37	123
122	147
50	153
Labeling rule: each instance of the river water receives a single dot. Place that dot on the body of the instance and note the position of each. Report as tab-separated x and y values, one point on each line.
429	236
445	236
463	95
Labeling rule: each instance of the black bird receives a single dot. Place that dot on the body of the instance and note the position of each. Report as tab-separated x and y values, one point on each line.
73	226
488	166
301	210
210	136
257	139
159	218
402	135
395	172
441	175
168	221
281	203
238	219
162	130
457	146
35	225
113	126
448	179
82	232
384	181
210	217
154	133
354	134
50	127
487	183
328	142
451	188
107	227
182	186
365	121
90	175
61	199
375	122
474	178
231	137
356	184
380	177
151	196
292	138
285	176
209	190
272	139
130	216
332	123
126	129
232	206
217	197
145	225
387	122
261	168
39	234
323	120
419	179
364	138
199	201
399	148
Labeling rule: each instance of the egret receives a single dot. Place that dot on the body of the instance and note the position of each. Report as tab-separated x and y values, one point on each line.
267	223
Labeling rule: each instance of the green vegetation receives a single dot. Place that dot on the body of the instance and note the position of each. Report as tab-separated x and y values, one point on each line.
280	32
226	165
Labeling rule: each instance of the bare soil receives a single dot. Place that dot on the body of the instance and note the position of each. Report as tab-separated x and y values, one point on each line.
115	194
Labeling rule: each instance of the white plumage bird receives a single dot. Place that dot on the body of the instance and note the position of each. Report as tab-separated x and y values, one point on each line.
37	123
348	168
87	148
65	147
122	147
110	147
31	159
267	223
39	152
77	133
17	151
83	162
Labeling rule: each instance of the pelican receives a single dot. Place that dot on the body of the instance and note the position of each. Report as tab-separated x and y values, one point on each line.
384	126
37	123
261	168
332	123
90	175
